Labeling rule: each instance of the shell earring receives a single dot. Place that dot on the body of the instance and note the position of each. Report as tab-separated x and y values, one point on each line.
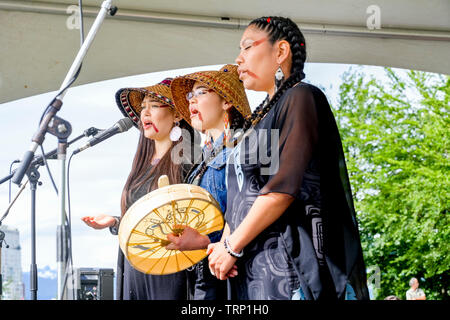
175	133
279	78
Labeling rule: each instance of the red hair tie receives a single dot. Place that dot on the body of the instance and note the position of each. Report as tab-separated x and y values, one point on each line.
268	20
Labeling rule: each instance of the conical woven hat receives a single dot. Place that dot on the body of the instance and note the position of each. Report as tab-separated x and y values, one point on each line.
129	99
224	82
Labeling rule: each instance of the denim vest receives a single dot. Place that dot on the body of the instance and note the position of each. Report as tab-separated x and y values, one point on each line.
213	180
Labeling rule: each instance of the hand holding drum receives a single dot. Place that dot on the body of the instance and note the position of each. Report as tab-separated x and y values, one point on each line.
145	227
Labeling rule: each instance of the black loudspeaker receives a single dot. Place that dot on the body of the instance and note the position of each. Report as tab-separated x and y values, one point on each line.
94	284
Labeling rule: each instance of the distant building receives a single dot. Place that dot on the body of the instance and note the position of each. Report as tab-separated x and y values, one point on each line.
11	265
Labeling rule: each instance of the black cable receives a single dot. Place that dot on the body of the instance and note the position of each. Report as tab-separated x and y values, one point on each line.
48	169
80	4
68	219
45	112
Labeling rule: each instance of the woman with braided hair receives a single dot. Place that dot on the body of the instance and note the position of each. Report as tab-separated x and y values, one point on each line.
214	103
290	222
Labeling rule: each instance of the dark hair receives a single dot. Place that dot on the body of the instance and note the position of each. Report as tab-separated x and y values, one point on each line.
142	169
279	28
237	120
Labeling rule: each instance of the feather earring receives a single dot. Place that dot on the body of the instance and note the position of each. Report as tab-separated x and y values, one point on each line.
226	127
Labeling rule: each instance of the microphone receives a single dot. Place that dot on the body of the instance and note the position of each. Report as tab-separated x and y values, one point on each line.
120	126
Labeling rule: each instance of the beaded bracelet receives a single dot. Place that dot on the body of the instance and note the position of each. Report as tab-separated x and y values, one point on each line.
226	243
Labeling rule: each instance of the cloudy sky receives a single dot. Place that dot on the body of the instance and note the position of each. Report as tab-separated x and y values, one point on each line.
97	175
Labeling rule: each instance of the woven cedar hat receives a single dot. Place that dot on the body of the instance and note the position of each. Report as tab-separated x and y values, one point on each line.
129	99
224	82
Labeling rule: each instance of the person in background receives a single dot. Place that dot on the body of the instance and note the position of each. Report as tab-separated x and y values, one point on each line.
415	293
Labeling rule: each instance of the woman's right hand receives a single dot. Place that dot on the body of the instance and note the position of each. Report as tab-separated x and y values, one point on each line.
189	239
100	221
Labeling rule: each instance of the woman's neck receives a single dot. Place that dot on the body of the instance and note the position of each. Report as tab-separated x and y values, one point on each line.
271	92
161	147
215	132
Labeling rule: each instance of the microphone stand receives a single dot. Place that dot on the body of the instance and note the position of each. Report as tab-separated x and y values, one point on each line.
56	104
39	136
62	129
2	238
51	155
33	177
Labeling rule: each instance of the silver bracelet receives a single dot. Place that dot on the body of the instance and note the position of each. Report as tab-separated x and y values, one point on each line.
226	243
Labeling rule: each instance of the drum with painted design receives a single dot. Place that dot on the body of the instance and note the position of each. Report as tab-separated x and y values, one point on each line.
144	227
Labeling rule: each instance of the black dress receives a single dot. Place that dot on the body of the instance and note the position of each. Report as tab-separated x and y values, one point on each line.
314	246
132	284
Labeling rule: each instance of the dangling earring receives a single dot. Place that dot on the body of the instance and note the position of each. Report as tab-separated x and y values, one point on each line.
226	128
279	78
175	133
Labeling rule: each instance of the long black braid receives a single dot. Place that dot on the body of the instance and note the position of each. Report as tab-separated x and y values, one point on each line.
279	28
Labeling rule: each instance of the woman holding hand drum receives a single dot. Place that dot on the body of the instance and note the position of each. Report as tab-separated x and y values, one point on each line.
153	113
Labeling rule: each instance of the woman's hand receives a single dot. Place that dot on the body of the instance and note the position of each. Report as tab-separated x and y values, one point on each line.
100	221
221	263
189	239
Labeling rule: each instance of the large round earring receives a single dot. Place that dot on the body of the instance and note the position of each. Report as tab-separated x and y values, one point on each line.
175	133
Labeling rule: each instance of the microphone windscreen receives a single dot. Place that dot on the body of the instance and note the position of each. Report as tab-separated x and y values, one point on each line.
125	124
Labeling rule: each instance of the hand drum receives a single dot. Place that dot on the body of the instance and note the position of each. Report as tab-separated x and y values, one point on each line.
144	227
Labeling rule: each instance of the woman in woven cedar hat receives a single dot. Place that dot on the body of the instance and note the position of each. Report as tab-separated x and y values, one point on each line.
153	113
291	228
215	103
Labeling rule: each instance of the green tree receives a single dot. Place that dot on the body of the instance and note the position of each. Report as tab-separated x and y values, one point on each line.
6	290
396	135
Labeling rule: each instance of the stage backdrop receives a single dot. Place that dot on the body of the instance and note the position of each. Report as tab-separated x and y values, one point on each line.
39	40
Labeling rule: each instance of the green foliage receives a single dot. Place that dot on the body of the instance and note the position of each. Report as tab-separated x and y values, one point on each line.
6	290
396	136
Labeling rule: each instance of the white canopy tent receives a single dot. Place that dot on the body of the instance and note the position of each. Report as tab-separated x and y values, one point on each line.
38	44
